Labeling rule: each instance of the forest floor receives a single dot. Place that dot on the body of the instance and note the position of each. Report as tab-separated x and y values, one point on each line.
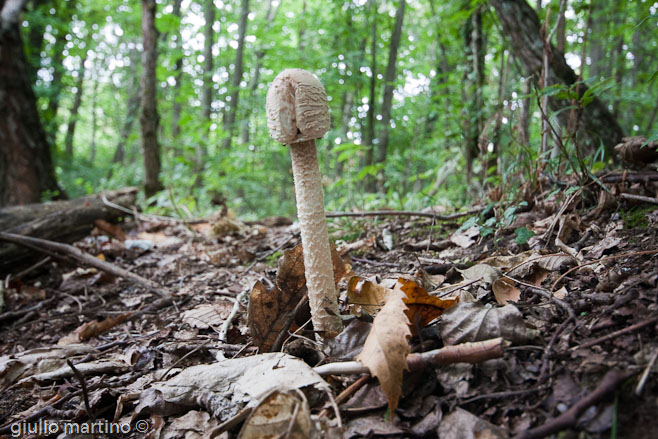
79	345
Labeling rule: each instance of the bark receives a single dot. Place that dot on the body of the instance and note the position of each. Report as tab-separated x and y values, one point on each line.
35	44
77	101
26	166
62	221
132	107
437	85
149	112
94	101
474	44
229	123
209	39
178	69
369	133
524	115
255	80
598	40
561	35
389	79
521	25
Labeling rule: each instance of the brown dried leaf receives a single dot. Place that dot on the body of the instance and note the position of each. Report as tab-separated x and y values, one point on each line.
421	307
93	328
505	291
385	350
365	296
269	309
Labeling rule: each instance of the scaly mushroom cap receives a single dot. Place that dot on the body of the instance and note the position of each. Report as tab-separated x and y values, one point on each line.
297	108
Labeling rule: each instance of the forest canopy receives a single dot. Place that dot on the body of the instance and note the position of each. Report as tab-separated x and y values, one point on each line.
432	103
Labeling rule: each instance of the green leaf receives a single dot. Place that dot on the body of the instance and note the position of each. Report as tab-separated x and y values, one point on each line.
522	235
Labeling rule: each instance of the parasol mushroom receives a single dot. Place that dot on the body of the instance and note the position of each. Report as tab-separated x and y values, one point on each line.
297	114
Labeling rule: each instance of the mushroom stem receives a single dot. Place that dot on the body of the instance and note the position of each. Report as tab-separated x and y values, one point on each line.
322	295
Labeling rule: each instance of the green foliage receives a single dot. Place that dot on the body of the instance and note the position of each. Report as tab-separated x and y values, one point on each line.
424	165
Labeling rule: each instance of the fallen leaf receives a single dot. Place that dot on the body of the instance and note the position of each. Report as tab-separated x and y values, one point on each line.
466	238
386	348
365	296
471	321
505	291
422	308
280	414
207	315
483	272
461	424
93	328
269	309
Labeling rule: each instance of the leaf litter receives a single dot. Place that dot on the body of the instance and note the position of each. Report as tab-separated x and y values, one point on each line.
574	302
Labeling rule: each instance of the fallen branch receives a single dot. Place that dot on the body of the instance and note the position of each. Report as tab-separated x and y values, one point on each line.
636	177
59	250
612	335
568	419
640	198
405	213
462	353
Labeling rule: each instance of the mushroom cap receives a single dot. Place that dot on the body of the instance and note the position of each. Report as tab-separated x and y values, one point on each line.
297	108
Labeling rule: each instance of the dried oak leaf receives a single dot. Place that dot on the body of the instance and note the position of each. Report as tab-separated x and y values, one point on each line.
386	348
269	309
422	308
365	296
505	291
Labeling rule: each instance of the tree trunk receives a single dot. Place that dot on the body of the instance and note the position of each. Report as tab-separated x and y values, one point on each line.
132	107
35	38
524	115
149	113
77	101
55	89
178	69
229	123
474	45
209	39
521	26
369	134
389	79
94	101
26	166
62	221
598	40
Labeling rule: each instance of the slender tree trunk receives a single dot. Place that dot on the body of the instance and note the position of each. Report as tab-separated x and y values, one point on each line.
270	14
524	115
149	112
209	39
389	78
474	44
132	108
55	89
229	123
178	69
598	39
302	28
438	84
561	35
490	166
26	166
521	25
94	101
369	134
77	101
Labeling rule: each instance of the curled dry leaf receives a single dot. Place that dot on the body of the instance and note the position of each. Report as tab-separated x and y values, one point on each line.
422	308
386	348
505	291
269	309
365	296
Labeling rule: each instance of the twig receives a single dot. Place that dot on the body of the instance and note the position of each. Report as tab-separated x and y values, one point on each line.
548	295
58	249
612	335
376	263
234	312
645	374
640	198
348	391
177	362
405	213
476	352
543	372
499	395
606	258
278	343
83	385
11	315
568	419
637	177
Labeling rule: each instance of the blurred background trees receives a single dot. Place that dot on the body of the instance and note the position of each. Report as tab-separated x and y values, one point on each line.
432	102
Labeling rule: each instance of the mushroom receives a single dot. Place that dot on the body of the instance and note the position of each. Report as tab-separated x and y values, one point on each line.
297	114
